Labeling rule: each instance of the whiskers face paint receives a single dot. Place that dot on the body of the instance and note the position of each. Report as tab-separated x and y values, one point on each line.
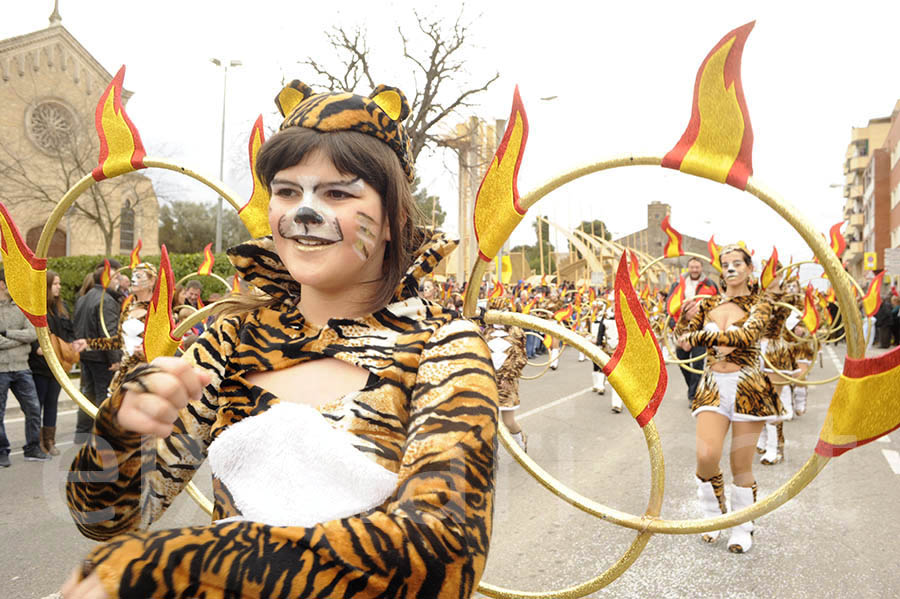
365	236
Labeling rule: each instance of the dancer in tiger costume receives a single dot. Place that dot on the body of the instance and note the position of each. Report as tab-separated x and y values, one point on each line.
733	391
507	345
349	425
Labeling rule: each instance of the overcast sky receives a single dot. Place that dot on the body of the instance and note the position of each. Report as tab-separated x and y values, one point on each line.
622	74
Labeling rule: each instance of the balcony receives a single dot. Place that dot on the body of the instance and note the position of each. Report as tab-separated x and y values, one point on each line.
856	191
859	134
855	247
857	220
859	163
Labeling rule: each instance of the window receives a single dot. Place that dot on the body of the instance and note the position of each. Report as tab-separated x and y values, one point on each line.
50	125
126	227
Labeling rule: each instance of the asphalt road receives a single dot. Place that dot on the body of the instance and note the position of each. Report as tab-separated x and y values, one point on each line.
838	538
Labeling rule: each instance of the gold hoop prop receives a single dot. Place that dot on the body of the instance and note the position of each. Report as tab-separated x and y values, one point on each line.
43	333
657	473
827	259
796	381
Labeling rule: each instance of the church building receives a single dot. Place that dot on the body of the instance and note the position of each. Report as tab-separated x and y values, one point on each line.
49	89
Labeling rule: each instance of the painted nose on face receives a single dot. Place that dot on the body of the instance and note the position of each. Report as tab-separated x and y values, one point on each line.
307	216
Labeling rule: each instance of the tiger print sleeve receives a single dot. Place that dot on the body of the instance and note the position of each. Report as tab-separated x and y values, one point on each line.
685	325
120	480
430	540
743	336
105	343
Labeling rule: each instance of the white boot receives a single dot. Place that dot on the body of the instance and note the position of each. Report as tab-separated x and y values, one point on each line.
598	382
521	440
554	359
742	535
615	400
761	442
581	356
787	402
711	494
800	400
771	456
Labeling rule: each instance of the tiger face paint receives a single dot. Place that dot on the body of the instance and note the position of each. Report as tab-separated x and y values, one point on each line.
329	228
365	235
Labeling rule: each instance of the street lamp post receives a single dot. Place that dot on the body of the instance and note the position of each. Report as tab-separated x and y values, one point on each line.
220	63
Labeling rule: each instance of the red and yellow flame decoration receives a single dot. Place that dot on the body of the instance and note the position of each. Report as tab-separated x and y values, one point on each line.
208	261
636	369
497	291
26	275
767	277
675	245
255	213
864	406
121	150
563	314
158	327
810	316
718	141
136	255
714	253
872	300
526	309
634	272
592	295
106	275
838	243
676	299
235	284
497	210
830	297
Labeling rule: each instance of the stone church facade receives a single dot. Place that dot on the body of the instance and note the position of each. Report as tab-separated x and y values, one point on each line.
49	88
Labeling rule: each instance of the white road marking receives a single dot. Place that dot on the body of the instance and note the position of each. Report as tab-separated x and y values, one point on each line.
22	419
834	359
552	404
893	458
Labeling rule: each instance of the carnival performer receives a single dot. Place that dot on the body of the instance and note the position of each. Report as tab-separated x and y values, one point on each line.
66	348
349	425
733	391
507	345
130	334
552	303
805	353
778	348
598	330
612	342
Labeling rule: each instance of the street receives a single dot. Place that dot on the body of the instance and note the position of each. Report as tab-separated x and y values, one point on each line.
837	538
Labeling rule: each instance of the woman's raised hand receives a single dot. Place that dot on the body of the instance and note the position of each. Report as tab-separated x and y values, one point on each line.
153	410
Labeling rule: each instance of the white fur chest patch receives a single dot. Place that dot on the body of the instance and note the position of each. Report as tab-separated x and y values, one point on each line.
289	467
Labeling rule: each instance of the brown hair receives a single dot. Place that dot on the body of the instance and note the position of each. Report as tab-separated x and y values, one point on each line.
748	260
55	306
372	161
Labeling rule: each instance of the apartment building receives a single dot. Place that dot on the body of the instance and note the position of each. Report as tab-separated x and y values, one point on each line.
863	143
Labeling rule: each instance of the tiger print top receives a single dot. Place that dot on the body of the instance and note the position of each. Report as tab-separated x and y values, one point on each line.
743	335
428	417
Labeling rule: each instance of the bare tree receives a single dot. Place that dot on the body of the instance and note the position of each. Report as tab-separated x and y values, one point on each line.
435	51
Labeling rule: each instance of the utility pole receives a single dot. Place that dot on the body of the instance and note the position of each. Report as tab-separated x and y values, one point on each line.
219	63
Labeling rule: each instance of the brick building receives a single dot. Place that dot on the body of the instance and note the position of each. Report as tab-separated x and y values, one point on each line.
49	88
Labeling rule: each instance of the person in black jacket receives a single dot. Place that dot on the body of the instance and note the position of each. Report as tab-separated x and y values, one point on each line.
97	366
47	387
694	284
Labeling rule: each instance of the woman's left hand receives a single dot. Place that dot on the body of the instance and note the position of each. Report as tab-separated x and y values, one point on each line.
77	588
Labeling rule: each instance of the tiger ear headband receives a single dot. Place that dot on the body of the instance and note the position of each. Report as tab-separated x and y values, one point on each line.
718	145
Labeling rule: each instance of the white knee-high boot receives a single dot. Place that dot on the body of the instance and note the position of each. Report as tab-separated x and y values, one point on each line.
742	535
771	456
711	494
787	402
799	400
581	356
599	382
554	359
761	442
615	400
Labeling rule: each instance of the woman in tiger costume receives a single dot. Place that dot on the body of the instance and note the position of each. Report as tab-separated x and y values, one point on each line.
733	390
350	425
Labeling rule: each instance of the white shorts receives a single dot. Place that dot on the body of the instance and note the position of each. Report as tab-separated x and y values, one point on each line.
727	384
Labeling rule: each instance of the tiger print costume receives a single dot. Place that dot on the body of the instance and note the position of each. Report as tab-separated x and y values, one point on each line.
428	417
130	359
755	397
